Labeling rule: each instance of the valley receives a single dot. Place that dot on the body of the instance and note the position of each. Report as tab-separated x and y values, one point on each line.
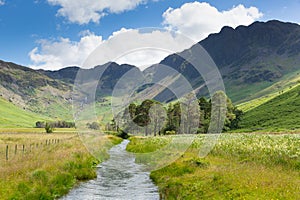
251	128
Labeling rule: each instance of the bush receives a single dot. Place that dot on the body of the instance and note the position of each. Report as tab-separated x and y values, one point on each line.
49	128
94	126
170	133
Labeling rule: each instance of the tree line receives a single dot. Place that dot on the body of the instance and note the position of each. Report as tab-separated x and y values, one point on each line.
190	116
55	124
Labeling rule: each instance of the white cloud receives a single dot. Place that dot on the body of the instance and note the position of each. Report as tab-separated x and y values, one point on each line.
2	2
136	47
53	55
197	20
85	11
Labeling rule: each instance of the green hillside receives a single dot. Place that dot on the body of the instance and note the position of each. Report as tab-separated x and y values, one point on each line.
12	116
279	113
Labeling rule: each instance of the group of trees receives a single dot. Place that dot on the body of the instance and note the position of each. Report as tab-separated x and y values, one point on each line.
188	116
56	124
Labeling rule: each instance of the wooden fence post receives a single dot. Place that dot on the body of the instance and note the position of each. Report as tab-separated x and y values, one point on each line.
16	149
6	154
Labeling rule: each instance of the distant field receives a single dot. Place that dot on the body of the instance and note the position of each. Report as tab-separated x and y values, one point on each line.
241	166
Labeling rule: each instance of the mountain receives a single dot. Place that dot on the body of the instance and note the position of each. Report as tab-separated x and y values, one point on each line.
254	61
34	91
250	58
50	93
106	76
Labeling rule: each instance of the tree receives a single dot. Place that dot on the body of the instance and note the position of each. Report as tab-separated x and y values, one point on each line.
94	126
218	112
49	128
235	123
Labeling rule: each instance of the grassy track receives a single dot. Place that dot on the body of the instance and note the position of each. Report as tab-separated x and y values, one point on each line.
239	167
45	171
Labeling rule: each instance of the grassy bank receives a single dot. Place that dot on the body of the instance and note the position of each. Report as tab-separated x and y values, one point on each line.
45	171
239	167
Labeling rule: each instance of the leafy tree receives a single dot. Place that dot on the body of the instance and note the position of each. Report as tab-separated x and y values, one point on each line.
49	128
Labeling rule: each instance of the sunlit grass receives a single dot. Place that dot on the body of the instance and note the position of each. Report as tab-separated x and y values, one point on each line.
45	171
241	166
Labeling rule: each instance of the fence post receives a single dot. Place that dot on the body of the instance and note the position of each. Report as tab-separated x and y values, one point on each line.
16	149
6	154
23	148
46	142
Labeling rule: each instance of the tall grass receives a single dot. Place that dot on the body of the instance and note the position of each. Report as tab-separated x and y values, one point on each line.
46	172
240	166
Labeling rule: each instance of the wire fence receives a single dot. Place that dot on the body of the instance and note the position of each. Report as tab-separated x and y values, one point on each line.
11	150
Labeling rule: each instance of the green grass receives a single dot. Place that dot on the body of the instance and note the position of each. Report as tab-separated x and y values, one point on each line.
279	113
46	172
259	95
12	116
241	166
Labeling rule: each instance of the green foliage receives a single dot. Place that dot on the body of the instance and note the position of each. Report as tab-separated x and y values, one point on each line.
93	125
49	128
182	116
57	124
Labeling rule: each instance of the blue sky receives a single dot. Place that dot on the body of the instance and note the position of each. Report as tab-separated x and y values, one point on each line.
41	24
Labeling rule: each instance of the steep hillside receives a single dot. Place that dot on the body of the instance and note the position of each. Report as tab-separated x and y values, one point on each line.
50	93
33	91
250	58
110	76
281	112
13	116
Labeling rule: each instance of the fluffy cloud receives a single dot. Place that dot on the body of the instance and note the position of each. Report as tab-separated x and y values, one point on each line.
63	52
137	47
140	47
2	2
197	20
85	11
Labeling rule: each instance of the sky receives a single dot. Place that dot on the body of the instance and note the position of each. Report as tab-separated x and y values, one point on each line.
52	34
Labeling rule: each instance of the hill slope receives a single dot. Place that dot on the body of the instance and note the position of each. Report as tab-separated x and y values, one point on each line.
250	58
281	112
13	116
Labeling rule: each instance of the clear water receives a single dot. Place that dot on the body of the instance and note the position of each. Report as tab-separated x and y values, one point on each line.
118	178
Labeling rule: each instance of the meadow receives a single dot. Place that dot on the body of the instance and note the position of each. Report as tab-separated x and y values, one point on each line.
50	165
240	166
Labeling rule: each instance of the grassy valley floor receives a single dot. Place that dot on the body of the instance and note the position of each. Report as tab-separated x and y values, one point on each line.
48	165
241	166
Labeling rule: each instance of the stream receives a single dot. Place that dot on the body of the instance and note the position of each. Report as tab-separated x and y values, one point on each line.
117	178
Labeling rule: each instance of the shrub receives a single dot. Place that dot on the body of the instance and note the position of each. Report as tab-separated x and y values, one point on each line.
49	128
